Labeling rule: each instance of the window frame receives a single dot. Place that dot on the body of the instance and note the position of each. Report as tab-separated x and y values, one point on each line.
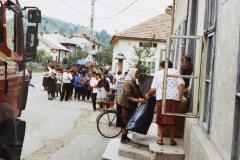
209	82
196	76
210	36
17	31
210	16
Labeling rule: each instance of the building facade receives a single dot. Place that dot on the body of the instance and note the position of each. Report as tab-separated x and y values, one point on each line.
214	133
52	47
152	32
83	41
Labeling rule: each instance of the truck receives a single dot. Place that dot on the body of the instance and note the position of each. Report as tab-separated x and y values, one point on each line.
18	45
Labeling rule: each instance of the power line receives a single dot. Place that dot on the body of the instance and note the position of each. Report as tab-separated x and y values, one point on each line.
74	9
119	12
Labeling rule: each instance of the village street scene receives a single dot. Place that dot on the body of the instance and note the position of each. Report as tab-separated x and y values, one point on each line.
119	80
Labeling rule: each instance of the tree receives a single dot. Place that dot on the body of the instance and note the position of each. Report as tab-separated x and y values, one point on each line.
79	54
142	53
105	56
43	57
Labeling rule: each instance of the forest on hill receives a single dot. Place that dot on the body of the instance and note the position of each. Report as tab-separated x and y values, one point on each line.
52	25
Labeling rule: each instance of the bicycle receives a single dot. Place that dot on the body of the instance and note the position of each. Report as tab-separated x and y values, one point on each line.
106	124
106	121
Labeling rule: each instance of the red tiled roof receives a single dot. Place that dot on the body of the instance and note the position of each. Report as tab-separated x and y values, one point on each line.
157	29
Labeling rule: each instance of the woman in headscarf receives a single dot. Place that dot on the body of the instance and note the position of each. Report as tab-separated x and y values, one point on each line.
128	101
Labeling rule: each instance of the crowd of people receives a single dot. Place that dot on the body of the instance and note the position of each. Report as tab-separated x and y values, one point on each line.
83	83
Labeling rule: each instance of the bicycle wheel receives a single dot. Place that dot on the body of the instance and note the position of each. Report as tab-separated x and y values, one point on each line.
106	124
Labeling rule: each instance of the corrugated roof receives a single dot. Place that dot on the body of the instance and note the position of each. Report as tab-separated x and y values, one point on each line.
61	39
86	36
48	40
157	28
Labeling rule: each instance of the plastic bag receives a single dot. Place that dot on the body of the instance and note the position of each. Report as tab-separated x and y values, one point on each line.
142	117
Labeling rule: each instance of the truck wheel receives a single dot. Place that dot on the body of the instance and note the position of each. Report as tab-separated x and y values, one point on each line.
7	132
5	154
5	112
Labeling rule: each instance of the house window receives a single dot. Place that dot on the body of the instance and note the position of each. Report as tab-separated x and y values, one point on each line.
210	15
209	83
153	67
93	47
210	27
148	44
154	45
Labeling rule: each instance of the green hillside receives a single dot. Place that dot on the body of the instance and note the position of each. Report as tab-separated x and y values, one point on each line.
51	25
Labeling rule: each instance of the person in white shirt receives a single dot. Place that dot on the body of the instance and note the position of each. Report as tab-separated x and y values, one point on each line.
174	95
94	84
59	82
67	77
118	76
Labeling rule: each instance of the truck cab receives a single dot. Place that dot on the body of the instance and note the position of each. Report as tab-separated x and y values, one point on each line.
18	43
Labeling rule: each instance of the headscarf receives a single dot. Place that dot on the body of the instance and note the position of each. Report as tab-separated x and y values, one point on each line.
131	75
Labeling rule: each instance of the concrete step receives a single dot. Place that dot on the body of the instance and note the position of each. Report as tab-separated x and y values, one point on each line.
135	152
144	147
111	152
168	152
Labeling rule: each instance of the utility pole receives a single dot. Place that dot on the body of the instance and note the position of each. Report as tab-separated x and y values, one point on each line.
90	55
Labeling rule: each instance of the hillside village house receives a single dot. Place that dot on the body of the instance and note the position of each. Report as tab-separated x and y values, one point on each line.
83	41
58	46
152	31
214	133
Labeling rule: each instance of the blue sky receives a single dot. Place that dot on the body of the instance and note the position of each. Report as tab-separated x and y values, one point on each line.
78	12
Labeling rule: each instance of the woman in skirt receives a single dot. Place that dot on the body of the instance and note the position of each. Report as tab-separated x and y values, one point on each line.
174	95
103	90
46	75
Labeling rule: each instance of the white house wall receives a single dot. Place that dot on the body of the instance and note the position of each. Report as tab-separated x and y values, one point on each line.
53	53
217	145
126	47
225	76
42	46
85	44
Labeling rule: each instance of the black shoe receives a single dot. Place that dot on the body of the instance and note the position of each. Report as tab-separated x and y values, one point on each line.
125	140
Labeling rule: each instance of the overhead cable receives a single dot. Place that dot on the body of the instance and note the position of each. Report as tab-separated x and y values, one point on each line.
119	12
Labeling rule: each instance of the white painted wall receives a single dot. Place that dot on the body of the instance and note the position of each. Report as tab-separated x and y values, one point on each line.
50	51
126	47
225	76
42	46
86	44
218	143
